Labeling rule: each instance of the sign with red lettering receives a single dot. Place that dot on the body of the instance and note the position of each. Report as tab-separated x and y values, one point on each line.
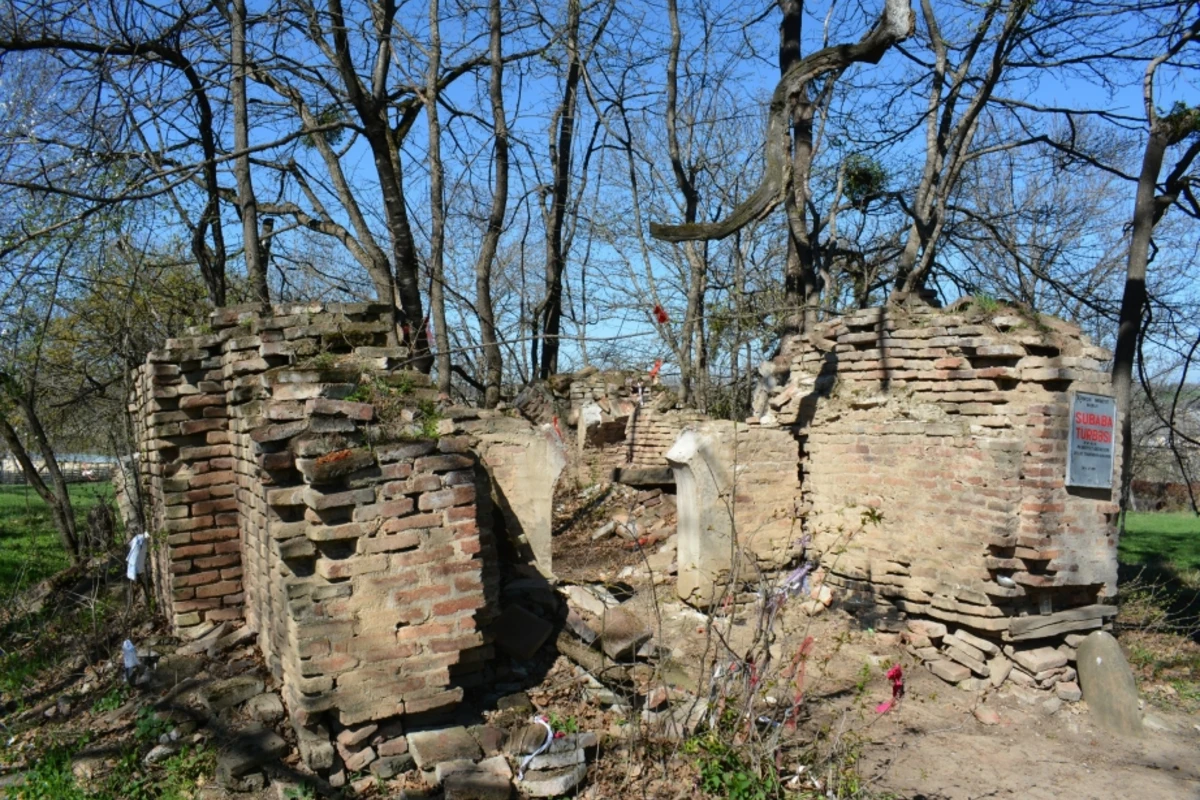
1091	443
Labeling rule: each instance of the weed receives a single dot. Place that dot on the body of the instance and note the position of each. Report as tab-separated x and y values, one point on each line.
564	725
321	361
50	779
115	698
303	792
725	773
428	419
148	727
864	677
986	303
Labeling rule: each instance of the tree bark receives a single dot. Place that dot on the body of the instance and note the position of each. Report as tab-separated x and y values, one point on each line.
437	202
256	268
1133	299
256	265
493	366
895	25
800	286
57	498
1148	209
562	141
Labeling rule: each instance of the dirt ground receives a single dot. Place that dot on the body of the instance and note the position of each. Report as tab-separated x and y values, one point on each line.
931	745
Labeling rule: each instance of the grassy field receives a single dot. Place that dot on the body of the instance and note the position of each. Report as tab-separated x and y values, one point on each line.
1169	541
30	549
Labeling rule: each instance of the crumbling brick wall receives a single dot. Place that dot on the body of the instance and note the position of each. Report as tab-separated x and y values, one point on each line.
297	476
952	427
651	432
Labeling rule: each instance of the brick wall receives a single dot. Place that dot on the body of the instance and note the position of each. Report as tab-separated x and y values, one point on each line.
356	538
953	427
651	432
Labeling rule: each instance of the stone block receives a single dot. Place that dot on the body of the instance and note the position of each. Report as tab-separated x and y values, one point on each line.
220	695
386	767
520	633
552	783
316	750
1108	686
247	751
1038	660
431	747
622	633
949	671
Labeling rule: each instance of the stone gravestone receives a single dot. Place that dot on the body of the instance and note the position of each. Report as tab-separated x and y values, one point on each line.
1108	685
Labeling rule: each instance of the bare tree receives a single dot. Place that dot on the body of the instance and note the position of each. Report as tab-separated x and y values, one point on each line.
1164	131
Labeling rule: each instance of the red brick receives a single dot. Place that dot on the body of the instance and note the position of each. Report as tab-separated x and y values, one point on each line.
468	584
457	514
443	463
408	523
425	483
233	546
217	561
396	472
427	555
431	501
459	604
216	535
198	579
192	524
192	550
223	504
196	605
439	700
221	614
388	544
454	645
211	478
200	426
218	589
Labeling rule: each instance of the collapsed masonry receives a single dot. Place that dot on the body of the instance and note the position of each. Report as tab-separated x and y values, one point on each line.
300	480
925	455
296	477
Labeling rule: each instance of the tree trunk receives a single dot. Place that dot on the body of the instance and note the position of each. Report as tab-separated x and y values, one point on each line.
1133	300
57	499
800	290
562	141
493	366
256	268
437	203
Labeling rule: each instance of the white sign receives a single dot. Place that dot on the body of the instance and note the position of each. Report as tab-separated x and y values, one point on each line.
1091	443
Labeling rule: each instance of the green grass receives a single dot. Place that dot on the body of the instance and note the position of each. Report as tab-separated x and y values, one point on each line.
1164	540
30	548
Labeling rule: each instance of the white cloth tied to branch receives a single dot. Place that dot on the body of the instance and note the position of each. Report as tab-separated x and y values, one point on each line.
135	564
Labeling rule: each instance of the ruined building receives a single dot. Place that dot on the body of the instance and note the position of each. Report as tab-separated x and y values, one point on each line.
298	478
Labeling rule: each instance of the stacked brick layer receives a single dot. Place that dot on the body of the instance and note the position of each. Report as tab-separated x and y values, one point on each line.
350	543
933	448
650	434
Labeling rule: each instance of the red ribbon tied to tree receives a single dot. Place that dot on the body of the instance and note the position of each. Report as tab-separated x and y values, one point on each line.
654	370
896	676
660	315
